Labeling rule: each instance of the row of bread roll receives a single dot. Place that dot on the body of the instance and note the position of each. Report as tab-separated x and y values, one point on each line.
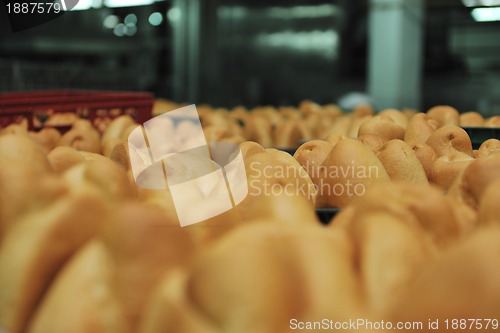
421	258
413	257
81	136
268	126
256	279
426	152
66	199
475	119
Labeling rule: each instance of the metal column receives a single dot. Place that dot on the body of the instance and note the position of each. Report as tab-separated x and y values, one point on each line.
395	53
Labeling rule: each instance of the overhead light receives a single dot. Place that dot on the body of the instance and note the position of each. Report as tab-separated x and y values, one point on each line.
174	14
128	3
481	3
75	5
155	19
120	30
111	21
130	19
486	14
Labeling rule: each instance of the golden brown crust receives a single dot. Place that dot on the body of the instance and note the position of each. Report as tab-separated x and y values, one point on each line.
401	163
444	115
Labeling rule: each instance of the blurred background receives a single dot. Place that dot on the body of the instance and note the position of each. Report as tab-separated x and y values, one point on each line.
401	53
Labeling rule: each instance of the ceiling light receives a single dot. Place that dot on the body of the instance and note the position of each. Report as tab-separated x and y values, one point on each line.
486	14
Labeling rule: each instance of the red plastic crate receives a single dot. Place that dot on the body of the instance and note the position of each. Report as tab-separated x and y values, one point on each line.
96	106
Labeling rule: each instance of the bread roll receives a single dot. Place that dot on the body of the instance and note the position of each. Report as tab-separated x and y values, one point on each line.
426	156
382	125
36	247
46	137
347	172
471	184
447	168
372	141
488	147
444	115
82	136
334	138
62	158
103	177
492	122
16	128
341	126
425	207
420	127
311	156
116	132
461	284
391	254
489	210
111	280
362	110
401	163
449	139
277	282
471	119
281	207
249	148
258	129
21	149
273	172
355	125
291	133
399	117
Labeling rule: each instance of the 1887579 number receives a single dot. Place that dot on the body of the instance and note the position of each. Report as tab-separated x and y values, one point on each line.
34	8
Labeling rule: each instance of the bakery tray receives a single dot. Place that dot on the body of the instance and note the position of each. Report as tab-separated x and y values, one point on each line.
325	215
480	134
38	106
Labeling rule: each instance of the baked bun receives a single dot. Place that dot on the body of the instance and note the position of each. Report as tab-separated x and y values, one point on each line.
277	282
291	133
349	169
448	167
382	125
116	132
399	117
401	163
385	273
449	139
462	283
102	177
355	125
372	141
426	155
82	136
419	129
341	126
298	209
471	119
21	149
422	206
489	210
488	147
474	180
16	128
112	278
46	137
362	110
34	248
272	172
258	129
444	115
311	156
492	122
